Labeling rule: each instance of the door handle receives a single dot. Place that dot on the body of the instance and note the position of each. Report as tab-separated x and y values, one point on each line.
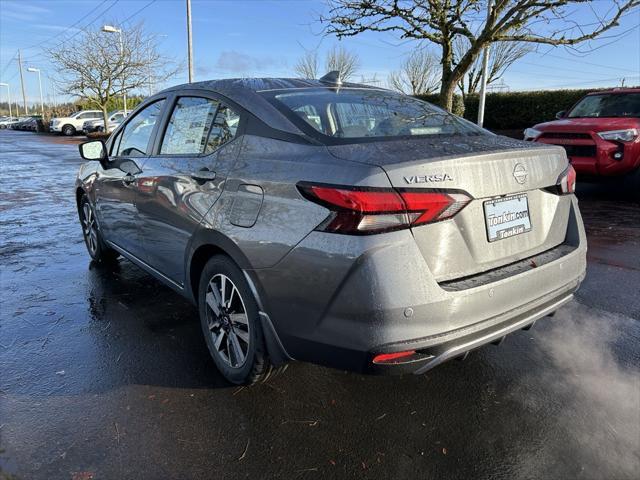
204	175
128	179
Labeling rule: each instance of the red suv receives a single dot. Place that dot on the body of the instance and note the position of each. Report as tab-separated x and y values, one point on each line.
601	133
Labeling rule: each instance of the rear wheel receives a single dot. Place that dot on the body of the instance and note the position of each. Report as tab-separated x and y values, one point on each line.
68	130
230	323
92	238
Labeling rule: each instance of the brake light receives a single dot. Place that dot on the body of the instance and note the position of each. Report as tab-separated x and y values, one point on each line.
367	210
566	182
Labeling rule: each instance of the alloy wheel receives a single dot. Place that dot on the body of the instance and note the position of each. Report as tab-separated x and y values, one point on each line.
89	228
227	320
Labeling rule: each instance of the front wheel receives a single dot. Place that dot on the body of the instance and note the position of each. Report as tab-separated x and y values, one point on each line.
230	323
92	238
68	130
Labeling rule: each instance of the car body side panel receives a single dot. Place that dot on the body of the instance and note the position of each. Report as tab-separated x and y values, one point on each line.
284	217
171	204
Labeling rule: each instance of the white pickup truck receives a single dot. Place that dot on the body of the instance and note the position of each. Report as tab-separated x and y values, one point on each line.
73	123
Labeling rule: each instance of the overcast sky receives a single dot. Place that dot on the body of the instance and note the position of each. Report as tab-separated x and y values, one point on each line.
265	38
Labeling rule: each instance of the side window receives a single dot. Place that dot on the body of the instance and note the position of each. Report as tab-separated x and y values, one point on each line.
189	126
224	128
137	132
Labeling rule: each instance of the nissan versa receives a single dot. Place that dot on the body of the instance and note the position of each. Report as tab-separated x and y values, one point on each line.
333	223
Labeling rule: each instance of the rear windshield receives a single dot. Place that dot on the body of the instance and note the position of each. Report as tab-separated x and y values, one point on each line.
349	114
607	105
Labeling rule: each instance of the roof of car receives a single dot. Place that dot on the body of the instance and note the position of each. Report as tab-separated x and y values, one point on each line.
246	93
617	90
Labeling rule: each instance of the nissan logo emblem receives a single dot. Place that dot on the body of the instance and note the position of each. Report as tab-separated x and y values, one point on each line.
520	173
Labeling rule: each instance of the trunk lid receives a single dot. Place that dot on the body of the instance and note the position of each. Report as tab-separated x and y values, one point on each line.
485	167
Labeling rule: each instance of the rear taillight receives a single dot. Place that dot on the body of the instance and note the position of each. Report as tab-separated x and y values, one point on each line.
566	182
367	210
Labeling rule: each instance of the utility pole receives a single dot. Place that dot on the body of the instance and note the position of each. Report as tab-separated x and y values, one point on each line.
485	67
24	96
189	43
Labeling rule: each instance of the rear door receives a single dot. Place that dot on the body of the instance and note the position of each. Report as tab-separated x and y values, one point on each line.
185	176
117	184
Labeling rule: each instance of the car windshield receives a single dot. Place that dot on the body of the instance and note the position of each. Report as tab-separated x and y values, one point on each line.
360	113
607	105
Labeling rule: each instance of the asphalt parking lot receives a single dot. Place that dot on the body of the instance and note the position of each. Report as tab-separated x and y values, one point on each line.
104	374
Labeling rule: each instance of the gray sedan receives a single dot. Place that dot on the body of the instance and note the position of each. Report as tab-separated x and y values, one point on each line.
334	223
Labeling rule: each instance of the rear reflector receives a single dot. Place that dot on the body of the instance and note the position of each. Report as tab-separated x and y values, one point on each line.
367	210
391	357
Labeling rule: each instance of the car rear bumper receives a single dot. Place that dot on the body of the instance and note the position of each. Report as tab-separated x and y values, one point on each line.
387	301
431	352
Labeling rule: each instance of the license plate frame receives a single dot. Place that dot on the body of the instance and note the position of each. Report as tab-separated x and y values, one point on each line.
498	213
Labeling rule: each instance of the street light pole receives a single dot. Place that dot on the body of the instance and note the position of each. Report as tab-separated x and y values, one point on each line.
37	70
112	29
485	67
8	95
189	42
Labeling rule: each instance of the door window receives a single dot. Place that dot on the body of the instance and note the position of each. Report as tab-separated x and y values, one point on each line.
189	126
224	128
137	132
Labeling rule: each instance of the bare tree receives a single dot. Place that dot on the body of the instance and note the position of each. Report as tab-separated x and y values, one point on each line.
550	22
100	70
343	61
501	56
307	65
418	74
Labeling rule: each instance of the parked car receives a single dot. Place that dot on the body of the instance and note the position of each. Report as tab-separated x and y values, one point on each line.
31	125
601	133
26	123
334	223
6	122
114	119
73	124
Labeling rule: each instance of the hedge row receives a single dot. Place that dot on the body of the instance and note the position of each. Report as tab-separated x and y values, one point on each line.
515	110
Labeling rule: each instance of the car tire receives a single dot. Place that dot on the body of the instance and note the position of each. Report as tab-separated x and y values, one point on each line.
231	324
96	247
68	130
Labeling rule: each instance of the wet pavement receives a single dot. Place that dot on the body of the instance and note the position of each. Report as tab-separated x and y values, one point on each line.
104	374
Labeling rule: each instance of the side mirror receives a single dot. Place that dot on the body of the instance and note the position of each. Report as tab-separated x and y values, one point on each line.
93	150
561	114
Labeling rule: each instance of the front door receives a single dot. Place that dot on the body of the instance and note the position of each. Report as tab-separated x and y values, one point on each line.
117	183
184	178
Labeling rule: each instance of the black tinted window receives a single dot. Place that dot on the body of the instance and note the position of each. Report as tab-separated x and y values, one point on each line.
189	126
137	132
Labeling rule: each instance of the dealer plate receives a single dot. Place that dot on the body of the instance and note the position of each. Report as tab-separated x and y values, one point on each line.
507	216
